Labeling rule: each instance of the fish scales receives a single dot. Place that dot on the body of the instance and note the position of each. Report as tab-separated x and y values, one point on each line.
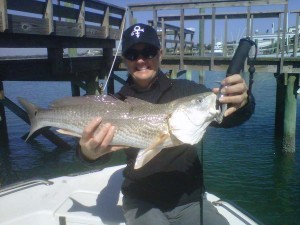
149	127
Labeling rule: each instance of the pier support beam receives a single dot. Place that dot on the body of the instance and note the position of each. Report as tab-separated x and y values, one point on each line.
290	111
286	109
3	127
108	58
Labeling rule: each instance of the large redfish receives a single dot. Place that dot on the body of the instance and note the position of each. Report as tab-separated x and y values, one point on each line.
149	127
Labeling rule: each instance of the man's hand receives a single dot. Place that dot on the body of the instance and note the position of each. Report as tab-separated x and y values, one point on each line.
96	142
235	93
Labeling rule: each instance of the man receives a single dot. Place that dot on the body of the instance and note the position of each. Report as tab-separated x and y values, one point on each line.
168	189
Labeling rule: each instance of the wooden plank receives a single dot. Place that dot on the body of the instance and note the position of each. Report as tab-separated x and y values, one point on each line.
296	38
27	25
230	15
62	28
49	16
40	70
105	22
181	38
81	19
30	6
201	4
3	16
213	36
62	11
170	26
114	33
163	37
178	41
8	40
99	5
225	36
95	32
38	7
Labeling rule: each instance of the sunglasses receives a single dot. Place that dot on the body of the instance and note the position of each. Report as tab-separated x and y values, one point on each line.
147	53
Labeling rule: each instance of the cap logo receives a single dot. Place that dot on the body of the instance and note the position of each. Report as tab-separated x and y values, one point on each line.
137	31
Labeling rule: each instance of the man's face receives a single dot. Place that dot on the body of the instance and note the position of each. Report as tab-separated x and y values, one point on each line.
143	62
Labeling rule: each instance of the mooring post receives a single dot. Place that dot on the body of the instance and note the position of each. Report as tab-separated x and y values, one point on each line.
201	76
3	127
290	110
279	108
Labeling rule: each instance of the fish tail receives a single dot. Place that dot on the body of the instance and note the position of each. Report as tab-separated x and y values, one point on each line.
31	110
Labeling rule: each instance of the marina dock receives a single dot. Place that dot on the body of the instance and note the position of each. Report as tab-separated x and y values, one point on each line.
95	24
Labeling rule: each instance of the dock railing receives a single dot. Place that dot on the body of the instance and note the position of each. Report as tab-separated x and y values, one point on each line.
161	15
56	25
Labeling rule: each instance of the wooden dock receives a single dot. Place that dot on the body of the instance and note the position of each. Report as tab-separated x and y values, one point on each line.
54	26
284	64
96	24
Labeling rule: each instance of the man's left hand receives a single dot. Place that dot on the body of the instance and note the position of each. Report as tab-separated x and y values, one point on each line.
234	89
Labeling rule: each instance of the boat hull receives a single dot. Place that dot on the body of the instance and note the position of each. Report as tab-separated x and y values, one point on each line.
92	198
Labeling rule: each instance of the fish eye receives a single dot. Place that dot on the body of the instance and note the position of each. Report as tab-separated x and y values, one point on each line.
199	100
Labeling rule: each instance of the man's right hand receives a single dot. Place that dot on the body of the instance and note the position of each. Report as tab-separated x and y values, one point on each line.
96	142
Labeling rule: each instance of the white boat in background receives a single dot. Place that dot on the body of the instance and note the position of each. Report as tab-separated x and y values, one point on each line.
90	199
218	48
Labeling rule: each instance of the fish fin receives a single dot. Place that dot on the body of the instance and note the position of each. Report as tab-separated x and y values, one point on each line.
31	110
145	155
83	100
68	132
135	101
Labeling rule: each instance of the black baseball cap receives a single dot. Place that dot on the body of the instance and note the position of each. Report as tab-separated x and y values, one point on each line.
139	33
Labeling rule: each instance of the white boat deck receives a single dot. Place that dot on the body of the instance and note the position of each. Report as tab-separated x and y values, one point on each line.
90	199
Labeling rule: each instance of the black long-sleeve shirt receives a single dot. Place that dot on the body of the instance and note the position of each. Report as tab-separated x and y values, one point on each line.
174	176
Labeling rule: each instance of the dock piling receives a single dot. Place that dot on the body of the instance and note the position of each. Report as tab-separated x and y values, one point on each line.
290	114
3	127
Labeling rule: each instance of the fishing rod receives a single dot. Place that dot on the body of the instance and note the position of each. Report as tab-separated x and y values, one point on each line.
236	65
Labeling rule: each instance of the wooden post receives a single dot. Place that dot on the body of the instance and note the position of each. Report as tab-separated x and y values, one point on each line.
75	89
174	74
201	33
279	108
181	38
290	110
163	36
55	57
188	75
3	15
296	37
213	36
92	85
108	58
201	76
3	127
225	36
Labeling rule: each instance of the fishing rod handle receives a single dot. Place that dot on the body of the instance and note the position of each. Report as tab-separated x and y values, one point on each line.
237	62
